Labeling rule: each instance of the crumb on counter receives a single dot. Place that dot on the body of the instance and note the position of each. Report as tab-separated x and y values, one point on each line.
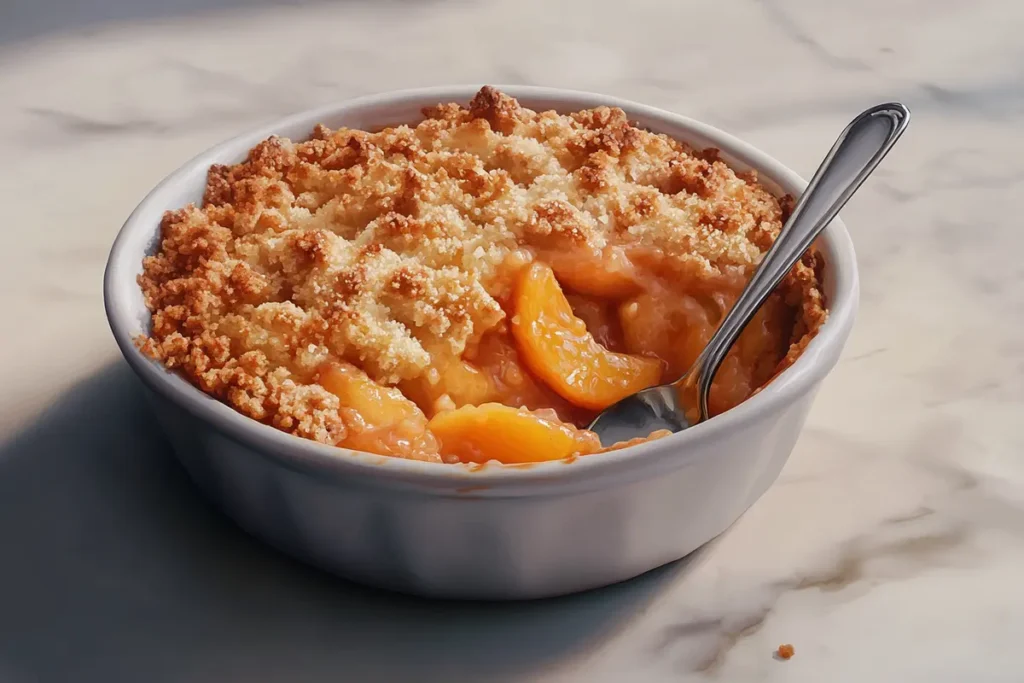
785	651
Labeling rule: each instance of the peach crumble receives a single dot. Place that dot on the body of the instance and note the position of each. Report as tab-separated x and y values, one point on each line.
474	287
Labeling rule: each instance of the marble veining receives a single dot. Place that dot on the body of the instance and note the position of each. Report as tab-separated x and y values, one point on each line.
890	549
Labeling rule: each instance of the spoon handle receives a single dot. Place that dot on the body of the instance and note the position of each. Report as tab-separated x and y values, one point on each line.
859	149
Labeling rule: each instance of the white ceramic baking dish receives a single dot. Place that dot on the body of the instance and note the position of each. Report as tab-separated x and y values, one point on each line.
495	532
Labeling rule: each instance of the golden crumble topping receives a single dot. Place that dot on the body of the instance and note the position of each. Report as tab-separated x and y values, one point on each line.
398	253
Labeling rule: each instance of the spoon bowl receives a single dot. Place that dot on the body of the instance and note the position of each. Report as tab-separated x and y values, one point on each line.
681	404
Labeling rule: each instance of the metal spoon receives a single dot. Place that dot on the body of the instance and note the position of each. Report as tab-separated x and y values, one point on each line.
684	403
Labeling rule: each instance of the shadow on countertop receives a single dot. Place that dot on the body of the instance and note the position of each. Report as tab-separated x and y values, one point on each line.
114	569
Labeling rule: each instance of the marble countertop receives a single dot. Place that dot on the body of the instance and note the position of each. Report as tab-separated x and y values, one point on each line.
890	549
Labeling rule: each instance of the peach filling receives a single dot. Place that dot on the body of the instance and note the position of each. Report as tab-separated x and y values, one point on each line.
475	287
523	392
494	431
559	349
378	419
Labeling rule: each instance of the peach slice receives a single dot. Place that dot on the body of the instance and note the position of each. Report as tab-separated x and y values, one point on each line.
606	274
494	431
557	347
379	419
514	385
670	326
379	406
463	382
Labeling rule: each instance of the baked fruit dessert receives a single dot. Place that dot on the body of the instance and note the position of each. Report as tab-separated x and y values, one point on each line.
472	288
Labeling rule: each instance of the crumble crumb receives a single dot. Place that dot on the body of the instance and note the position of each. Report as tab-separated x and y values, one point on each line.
785	651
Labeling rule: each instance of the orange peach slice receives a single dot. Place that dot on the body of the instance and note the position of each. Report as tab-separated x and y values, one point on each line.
379	419
673	327
557	347
607	274
494	431
379	406
464	383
